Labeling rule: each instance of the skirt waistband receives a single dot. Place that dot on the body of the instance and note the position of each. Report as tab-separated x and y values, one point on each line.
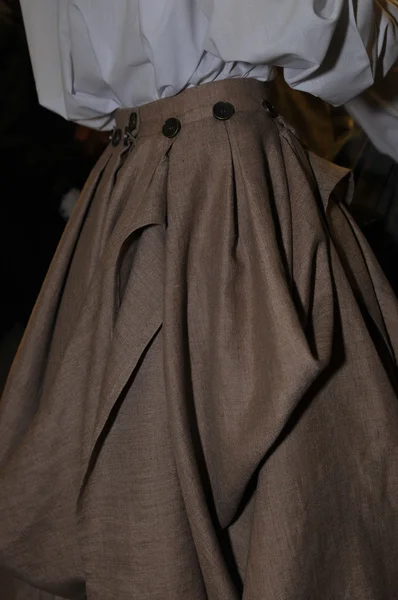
221	99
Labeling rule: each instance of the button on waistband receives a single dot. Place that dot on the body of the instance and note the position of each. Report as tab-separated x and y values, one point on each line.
223	111
171	127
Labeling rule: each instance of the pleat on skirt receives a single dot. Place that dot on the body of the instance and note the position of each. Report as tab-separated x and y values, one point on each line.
204	405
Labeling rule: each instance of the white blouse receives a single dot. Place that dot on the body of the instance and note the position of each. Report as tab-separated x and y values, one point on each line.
91	57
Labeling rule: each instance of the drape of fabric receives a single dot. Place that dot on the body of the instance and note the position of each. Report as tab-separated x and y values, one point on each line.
204	405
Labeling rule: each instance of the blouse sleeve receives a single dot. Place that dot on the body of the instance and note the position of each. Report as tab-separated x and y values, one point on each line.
333	49
41	25
48	33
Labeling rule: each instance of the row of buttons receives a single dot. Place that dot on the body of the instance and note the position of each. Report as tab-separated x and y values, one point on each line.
222	111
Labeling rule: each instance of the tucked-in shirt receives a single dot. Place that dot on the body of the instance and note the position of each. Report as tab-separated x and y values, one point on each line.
91	57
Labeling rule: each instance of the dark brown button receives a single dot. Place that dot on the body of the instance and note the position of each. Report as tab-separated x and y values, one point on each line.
116	137
133	121
171	127
223	111
270	109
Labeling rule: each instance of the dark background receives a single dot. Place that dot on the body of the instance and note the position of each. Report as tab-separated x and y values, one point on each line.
42	157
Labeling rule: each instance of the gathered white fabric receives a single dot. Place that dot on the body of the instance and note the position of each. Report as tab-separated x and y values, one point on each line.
92	57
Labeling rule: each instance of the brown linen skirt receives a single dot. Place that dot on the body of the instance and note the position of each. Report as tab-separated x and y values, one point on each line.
204	405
